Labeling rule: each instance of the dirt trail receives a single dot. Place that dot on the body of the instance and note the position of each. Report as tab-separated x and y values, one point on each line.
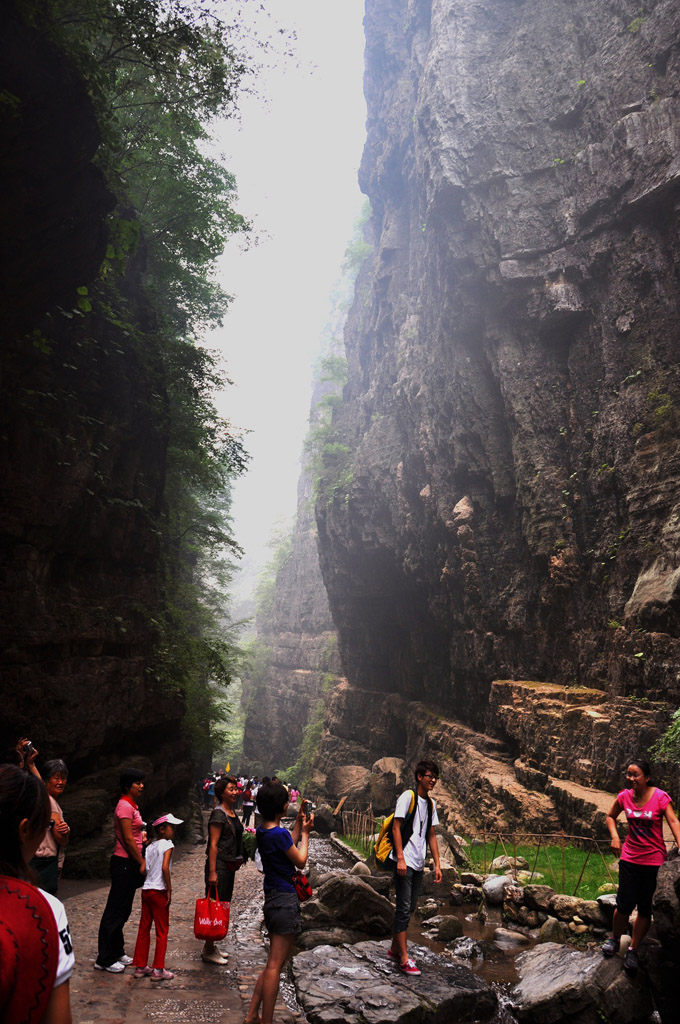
199	992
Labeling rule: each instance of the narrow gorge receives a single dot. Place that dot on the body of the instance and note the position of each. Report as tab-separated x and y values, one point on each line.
501	554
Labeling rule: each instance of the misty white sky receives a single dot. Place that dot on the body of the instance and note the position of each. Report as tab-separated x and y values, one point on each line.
296	162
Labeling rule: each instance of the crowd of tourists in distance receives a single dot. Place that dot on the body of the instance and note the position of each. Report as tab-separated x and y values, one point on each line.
34	838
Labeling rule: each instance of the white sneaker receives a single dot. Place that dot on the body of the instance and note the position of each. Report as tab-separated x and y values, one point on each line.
125	960
115	968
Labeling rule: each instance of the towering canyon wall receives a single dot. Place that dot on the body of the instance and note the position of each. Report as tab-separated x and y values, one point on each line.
513	402
82	461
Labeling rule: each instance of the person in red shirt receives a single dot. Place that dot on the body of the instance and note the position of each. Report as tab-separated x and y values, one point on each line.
642	853
127	874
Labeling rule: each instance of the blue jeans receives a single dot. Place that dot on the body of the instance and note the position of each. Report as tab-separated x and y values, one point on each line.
408	888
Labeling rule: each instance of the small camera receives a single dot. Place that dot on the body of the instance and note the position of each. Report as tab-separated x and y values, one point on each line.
28	747
51	825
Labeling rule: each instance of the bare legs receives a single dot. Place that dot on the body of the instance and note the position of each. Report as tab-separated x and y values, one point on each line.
399	946
640	928
267	985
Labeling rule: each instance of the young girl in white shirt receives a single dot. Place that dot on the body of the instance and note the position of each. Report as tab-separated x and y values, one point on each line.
156	897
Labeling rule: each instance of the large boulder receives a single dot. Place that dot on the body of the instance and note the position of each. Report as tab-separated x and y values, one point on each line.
325	821
355	904
359	985
494	888
560	985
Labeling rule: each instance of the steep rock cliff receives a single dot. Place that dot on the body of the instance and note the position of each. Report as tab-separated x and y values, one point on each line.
513	399
82	460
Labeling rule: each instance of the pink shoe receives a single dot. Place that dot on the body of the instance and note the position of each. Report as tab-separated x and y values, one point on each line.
409	968
163	975
143	972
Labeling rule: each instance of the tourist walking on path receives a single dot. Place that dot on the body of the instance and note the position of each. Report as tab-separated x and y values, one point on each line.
643	852
248	804
156	899
36	954
280	856
224	853
49	858
127	867
413	830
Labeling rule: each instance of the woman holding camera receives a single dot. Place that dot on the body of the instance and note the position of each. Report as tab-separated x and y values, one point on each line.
49	857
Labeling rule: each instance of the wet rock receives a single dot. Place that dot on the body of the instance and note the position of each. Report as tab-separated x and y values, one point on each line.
510	940
446	927
468	893
358	985
494	888
560	984
356	904
329	937
466	948
427	910
553	930
381	883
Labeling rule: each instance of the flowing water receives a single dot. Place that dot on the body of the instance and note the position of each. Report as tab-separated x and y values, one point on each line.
483	954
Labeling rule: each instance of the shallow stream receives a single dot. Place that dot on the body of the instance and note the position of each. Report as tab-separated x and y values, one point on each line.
496	966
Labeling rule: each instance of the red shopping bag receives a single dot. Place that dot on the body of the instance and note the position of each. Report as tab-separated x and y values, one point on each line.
211	918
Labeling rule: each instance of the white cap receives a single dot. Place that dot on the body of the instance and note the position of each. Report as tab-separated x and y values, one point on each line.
167	819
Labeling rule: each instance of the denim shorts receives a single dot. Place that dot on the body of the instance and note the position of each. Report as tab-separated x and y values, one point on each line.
282	913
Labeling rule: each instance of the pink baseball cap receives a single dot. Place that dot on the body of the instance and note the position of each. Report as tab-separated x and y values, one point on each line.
167	819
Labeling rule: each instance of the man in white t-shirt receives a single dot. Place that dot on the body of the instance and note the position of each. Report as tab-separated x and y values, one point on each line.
413	831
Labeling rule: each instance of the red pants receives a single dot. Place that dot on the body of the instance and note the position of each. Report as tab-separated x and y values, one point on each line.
154	908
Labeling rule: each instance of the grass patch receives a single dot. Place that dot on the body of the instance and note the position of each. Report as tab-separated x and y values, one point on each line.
566	869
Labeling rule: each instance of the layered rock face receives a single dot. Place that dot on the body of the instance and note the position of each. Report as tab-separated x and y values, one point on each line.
302	656
82	461
513	400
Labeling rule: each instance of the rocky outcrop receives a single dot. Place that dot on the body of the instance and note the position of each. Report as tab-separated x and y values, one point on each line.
558	983
353	984
514	389
509	509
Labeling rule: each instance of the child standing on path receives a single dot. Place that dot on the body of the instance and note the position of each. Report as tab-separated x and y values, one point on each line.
280	857
156	896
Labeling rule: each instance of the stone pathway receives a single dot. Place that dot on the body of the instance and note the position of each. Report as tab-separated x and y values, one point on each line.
200	992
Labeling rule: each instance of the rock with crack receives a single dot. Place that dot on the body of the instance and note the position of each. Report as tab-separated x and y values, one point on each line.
359	985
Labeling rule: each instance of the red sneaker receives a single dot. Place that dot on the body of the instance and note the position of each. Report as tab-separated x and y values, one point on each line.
409	968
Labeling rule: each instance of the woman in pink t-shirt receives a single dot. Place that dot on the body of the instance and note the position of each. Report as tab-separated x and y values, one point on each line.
127	867
643	852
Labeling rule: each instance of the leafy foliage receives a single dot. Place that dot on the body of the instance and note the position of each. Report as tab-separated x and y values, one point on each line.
158	71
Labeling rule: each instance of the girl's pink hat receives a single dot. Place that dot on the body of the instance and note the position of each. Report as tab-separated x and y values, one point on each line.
167	819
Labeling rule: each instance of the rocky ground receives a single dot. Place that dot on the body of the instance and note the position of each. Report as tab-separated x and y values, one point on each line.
199	992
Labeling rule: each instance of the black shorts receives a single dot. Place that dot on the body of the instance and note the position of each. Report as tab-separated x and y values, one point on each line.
225	883
282	913
637	883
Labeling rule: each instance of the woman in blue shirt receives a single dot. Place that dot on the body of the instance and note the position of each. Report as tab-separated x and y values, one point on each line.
280	857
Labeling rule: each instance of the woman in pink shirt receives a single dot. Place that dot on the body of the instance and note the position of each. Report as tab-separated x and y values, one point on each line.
127	874
643	852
